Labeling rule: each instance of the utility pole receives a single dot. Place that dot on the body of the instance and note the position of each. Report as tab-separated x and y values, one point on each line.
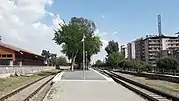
83	56
86	61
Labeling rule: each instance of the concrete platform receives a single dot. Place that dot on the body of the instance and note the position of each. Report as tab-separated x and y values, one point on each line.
95	87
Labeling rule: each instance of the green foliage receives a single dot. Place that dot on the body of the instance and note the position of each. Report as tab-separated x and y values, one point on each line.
53	58
85	23
98	62
114	58
70	37
168	63
112	47
61	61
136	65
46	54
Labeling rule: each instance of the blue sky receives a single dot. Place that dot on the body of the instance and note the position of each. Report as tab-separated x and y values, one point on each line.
29	24
130	18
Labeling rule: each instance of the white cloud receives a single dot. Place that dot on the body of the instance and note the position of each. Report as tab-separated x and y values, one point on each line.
102	54
102	16
101	34
114	33
20	24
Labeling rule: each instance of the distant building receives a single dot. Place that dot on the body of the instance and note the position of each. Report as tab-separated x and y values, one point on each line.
11	55
139	49
124	50
133	50
148	49
152	45
129	51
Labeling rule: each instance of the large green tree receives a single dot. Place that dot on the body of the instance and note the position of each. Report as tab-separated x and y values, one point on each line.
114	58
112	47
70	37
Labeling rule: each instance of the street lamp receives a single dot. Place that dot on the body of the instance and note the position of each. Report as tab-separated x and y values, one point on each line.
83	56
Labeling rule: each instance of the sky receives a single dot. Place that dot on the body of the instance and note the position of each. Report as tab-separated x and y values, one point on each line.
29	24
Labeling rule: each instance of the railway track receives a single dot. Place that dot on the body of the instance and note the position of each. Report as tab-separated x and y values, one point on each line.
25	93
143	90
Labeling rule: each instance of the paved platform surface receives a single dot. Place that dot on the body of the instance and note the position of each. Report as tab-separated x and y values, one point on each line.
95	87
78	75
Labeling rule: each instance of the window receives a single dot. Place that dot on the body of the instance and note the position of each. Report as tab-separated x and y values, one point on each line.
9	55
3	55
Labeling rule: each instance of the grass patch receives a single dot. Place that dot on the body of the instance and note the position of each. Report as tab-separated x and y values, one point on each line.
7	85
166	86
48	72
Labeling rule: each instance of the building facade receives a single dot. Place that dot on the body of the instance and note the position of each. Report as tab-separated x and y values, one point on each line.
154	49
129	51
151	49
139	49
124	50
11	55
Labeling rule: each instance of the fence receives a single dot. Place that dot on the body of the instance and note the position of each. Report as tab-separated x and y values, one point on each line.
6	71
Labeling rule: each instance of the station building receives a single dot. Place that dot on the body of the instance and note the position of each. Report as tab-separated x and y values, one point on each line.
14	56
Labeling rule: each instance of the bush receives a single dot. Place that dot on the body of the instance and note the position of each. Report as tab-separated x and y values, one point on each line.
168	64
136	65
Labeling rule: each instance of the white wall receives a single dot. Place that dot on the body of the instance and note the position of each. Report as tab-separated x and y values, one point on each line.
133	50
164	43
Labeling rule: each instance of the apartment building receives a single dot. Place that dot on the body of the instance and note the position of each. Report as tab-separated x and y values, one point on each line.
124	50
153	53
131	51
148	49
139	49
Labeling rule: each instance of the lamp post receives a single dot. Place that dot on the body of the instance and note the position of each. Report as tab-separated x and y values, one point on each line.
83	56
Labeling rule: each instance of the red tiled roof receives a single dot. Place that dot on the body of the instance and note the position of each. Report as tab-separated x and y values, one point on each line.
16	48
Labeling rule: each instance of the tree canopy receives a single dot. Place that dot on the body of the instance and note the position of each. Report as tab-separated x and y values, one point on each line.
98	62
62	61
168	63
114	58
70	37
112	47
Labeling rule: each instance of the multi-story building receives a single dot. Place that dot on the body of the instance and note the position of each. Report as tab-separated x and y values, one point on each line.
131	51
154	49
139	49
124	50
151	49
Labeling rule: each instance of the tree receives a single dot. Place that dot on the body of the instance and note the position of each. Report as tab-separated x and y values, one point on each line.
53	59
112	47
85	23
71	35
46	54
137	65
98	62
168	63
61	61
114	58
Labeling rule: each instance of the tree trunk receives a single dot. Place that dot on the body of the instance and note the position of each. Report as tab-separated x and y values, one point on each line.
73	60
174	71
